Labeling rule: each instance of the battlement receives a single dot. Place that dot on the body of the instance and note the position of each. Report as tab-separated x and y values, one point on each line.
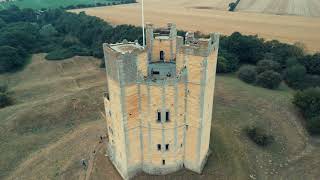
200	46
159	101
124	47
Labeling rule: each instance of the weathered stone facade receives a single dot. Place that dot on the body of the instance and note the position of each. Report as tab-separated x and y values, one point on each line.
159	102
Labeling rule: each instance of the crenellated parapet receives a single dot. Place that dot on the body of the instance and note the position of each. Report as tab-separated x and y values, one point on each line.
159	101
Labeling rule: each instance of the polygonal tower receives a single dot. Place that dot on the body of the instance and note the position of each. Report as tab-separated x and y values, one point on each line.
159	102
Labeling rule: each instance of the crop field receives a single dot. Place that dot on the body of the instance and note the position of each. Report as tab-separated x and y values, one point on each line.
38	4
57	120
195	16
281	7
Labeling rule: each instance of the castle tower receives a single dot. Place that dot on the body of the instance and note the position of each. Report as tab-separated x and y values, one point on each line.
159	102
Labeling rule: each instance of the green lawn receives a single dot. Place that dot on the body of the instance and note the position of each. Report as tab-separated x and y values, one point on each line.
38	4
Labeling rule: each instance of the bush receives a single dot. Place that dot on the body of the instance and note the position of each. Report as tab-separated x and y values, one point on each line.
59	54
313	125
269	79
5	100
3	88
308	101
265	65
295	76
259	136
247	74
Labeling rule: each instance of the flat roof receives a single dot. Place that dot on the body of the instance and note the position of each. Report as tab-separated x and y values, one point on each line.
125	48
162	37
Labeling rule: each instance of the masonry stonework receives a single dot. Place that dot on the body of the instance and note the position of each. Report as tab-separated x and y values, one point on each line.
159	102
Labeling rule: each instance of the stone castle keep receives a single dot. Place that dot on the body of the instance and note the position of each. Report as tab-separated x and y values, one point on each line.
159	102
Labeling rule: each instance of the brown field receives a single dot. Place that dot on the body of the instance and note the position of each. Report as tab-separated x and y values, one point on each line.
203	16
57	119
281	7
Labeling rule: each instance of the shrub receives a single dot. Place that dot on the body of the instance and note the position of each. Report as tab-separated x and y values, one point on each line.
5	100
308	101
259	136
59	54
313	125
295	76
247	74
269	79
3	88
265	65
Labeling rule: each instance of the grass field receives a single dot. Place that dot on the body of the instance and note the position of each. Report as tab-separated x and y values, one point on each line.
282	7
57	121
38	4
202	16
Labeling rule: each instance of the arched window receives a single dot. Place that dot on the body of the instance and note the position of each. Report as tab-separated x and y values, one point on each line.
161	55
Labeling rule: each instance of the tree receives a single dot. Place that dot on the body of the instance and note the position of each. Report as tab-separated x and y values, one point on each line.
232	6
312	63
313	125
19	35
227	62
48	30
308	101
249	49
2	23
5	100
247	74
11	59
292	62
221	65
269	79
265	65
281	51
295	75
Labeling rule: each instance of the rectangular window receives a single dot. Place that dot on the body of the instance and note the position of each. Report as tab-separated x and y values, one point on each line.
163	162
159	116
167	147
159	147
155	72
167	116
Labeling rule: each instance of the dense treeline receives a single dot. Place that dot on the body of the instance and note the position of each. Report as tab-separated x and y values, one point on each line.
270	61
59	33
79	6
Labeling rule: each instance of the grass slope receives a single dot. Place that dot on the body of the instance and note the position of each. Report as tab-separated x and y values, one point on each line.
38	4
57	120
